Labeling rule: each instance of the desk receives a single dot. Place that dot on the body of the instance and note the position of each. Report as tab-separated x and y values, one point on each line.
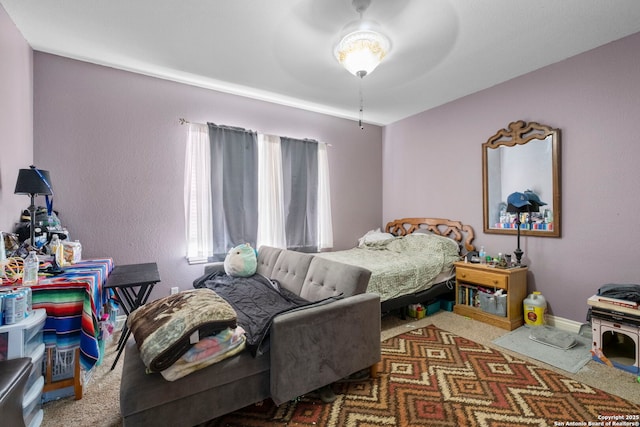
73	301
132	285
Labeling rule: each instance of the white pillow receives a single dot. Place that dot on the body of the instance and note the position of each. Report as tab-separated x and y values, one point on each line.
421	232
373	236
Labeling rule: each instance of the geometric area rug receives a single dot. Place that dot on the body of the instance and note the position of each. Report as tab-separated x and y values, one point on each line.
431	377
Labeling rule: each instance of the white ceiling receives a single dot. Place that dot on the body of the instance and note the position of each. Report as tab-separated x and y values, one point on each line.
282	50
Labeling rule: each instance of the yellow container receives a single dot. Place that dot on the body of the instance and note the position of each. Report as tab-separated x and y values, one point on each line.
535	309
417	311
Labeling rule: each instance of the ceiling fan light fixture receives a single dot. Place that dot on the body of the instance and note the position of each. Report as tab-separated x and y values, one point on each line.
361	51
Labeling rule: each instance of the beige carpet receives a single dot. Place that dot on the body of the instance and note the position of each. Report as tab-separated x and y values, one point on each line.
99	406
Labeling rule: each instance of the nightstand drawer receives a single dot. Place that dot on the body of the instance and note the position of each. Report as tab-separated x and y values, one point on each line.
483	278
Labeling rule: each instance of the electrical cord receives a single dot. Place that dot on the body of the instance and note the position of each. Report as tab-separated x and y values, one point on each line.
12	269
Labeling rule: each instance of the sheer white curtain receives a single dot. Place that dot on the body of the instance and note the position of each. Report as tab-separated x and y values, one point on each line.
197	194
271	219
325	223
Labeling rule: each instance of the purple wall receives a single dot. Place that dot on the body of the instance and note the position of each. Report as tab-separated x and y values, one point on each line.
16	118
433	167
115	149
112	142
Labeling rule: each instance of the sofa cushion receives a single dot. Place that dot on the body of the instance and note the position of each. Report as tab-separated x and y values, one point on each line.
326	278
267	257
290	270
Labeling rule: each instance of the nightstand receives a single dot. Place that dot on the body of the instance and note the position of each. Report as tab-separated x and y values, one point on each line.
513	281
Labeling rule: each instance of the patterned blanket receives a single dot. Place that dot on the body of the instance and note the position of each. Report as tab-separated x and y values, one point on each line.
166	328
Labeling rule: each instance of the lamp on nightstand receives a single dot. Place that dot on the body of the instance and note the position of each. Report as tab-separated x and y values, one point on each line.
33	182
519	203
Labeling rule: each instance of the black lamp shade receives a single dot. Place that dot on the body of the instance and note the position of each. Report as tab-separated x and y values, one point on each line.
33	181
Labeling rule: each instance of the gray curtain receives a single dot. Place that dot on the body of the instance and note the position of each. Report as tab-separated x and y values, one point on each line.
300	176
234	187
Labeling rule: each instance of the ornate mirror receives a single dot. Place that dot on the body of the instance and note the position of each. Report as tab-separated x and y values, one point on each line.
523	159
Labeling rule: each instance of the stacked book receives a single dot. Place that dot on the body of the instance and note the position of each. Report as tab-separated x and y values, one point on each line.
615	310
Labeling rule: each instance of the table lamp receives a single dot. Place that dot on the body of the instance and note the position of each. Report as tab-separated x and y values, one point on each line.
33	182
518	203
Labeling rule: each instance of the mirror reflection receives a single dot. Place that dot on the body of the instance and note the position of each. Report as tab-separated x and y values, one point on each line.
522	159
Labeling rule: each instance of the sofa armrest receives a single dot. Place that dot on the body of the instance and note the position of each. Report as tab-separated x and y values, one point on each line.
317	346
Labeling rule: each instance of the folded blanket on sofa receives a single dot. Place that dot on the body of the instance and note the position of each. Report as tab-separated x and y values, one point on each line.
166	328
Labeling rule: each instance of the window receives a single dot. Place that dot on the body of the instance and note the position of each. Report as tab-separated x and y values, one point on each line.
245	187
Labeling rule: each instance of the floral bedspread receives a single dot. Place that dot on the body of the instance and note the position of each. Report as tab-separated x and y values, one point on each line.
401	265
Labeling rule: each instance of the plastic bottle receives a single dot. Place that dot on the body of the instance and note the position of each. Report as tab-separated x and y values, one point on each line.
56	249
483	255
77	252
30	272
535	309
55	241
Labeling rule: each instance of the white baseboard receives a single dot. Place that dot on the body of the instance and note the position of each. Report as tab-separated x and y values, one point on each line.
564	324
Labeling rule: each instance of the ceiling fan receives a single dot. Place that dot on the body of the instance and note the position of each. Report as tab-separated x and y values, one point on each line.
362	48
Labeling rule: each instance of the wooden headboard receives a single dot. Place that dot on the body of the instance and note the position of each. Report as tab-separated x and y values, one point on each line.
444	227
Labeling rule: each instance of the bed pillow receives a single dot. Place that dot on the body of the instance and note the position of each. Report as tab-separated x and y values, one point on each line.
421	231
374	236
241	261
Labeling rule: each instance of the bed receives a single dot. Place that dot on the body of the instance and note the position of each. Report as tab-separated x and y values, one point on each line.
411	261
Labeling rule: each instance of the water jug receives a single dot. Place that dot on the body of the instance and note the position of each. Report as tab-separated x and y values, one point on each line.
535	309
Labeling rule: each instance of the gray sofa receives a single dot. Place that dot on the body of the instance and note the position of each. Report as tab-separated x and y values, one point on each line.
310	348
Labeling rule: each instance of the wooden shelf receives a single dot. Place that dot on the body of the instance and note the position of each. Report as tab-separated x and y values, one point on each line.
512	280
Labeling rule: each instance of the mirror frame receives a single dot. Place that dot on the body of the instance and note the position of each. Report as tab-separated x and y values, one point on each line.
520	133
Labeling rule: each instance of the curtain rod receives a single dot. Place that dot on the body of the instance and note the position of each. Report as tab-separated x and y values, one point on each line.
184	121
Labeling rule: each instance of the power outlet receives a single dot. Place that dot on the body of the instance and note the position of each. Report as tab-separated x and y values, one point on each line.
175	290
